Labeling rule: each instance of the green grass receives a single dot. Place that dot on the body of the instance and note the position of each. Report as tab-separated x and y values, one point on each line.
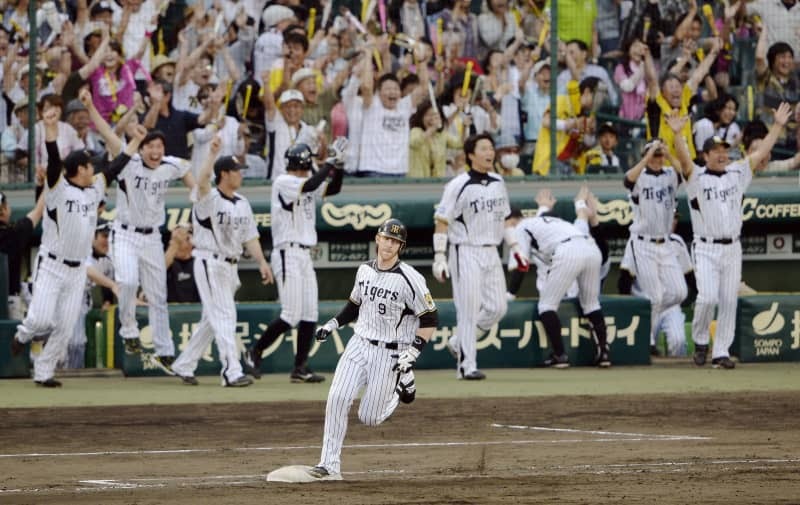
666	376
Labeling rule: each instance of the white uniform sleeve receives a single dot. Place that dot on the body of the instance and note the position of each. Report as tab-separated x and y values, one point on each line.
355	294
179	166
252	230
746	173
289	186
627	262
421	299
524	243
204	206
447	206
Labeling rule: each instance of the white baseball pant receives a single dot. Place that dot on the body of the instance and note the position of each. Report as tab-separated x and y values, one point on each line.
671	322
139	258
479	295
297	284
659	275
718	270
362	365
55	306
217	282
576	259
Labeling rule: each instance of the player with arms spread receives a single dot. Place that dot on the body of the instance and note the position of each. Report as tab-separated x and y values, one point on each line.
396	317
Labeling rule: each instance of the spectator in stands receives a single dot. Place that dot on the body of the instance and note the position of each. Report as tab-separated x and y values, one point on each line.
578	69
294	59
577	20
669	94
780	18
181	287
429	142
163	68
15	238
134	23
269	45
752	136
574	130
78	117
68	140
113	82
198	70
603	154
408	16
629	76
535	101
777	81
464	25
224	126
506	157
607	27
719	121
16	134
496	27
318	103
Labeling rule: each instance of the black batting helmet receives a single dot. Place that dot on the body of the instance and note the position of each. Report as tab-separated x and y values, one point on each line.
298	157
394	228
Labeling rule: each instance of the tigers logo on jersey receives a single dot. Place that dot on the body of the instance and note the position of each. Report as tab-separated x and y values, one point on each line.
429	301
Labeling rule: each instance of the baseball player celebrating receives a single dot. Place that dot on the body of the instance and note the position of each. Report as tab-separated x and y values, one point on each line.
715	195
395	317
71	214
223	222
294	198
571	255
136	243
472	216
652	190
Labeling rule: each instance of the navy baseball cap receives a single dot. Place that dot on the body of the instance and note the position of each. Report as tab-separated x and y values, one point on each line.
228	163
713	142
103	225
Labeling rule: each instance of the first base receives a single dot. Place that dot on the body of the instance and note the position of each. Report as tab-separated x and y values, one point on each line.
291	473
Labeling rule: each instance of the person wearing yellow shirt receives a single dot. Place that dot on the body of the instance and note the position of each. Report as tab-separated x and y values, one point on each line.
670	94
429	142
574	128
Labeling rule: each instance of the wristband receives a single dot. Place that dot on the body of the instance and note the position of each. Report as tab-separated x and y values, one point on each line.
419	343
439	242
335	322
580	204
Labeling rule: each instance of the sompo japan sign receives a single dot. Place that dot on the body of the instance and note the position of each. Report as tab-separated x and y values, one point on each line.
768	328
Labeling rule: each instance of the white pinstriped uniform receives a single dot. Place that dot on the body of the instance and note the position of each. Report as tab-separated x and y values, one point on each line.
570	255
475	207
67	232
77	344
671	319
139	257
715	203
294	216
390	304
658	272
221	226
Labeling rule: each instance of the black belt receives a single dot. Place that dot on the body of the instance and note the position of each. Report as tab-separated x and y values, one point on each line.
392	346
725	241
69	263
297	244
652	239
144	231
230	260
570	238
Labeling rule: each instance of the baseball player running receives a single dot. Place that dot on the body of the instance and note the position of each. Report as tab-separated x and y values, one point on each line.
571	254
223	222
472	216
652	190
137	250
715	195
71	214
294	198
396	317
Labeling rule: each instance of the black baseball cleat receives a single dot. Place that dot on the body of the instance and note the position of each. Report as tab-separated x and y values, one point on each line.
49	383
700	353
305	374
603	360
251	363
164	363
132	345
557	361
654	351
723	362
406	387
475	375
241	382
188	380
16	346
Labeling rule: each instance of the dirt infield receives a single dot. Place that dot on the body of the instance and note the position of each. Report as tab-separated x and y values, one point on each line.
721	448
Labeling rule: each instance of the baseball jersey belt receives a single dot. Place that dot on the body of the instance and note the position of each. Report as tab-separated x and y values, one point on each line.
655	240
69	263
144	231
726	240
297	244
570	238
392	346
230	259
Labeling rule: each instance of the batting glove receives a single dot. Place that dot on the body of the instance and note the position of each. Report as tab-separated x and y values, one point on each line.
336	152
326	329
440	270
408	358
523	264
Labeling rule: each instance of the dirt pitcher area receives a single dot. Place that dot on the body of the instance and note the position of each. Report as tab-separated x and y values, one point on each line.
711	448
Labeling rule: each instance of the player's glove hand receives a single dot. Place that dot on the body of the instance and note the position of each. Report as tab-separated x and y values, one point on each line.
440	270
326	329
408	358
336	152
523	264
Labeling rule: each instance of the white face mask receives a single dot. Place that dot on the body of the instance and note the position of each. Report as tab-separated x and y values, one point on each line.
509	161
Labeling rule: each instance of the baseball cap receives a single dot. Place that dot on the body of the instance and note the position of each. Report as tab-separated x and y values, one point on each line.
289	95
103	225
77	158
74	105
22	104
159	61
505	141
228	163
713	142
152	135
303	73
607	127
274	14
100	7
540	65
647	146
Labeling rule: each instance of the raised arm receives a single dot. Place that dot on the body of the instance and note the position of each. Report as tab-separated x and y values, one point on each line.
632	175
703	68
676	122
207	168
650	74
683	28
367	77
764	149
761	52
97	58
113	141
50	119
270	107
